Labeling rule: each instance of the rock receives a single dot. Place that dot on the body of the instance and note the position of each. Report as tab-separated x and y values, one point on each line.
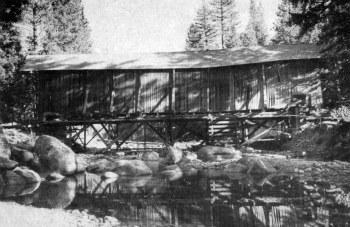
13	183
172	167
102	165
7	164
109	175
29	189
150	156
215	153
174	155
190	156
110	220
54	177
247	149
58	194
132	168
5	147
81	164
236	168
55	155
153	165
29	175
173	172
255	165
22	155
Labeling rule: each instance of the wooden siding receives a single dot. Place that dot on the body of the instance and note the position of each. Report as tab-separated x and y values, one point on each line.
287	78
191	91
188	90
154	92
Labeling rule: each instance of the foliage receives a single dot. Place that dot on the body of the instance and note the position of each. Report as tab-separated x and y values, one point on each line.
334	16
201	34
54	27
226	19
214	26
286	31
10	51
256	30
34	15
66	28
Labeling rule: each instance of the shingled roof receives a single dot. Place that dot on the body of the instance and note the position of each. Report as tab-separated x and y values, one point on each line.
172	60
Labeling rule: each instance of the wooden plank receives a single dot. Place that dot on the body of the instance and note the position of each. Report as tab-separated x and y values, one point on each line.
172	90
208	89
85	92
137	92
262	88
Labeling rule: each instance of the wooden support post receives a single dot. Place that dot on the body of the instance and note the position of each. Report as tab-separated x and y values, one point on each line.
137	91
86	93
243	131
208	91
170	132
111	94
262	88
232	92
171	91
85	139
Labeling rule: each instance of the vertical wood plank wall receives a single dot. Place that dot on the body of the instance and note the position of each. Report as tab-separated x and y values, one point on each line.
189	90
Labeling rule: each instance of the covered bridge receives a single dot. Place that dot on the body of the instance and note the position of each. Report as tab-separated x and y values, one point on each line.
124	87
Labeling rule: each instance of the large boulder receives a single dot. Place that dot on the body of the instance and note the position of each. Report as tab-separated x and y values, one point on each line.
22	155
150	156
174	155
216	153
7	164
28	175
14	183
132	168
56	156
256	165
57	195
236	168
102	165
109	175
5	147
172	172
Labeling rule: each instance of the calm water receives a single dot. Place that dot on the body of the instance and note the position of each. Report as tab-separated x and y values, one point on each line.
206	198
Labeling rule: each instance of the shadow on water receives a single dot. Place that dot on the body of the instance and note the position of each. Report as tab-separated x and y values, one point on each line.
205	198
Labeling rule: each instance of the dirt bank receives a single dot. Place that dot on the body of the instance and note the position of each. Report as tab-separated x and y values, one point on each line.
12	214
15	215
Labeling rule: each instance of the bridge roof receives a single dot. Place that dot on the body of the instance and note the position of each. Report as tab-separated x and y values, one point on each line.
172	60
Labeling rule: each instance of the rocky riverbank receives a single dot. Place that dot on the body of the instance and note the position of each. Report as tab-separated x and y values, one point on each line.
21	154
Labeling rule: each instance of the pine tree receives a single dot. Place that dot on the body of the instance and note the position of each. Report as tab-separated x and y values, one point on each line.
332	19
256	31
286	31
201	34
66	28
33	17
226	18
11	59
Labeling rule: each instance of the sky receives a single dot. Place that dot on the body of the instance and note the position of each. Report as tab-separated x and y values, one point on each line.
120	26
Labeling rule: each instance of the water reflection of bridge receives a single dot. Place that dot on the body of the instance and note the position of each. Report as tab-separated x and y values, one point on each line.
200	201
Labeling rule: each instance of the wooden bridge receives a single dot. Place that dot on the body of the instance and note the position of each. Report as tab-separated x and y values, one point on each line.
232	95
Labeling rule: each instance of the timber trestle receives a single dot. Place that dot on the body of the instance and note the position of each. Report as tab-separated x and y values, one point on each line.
215	128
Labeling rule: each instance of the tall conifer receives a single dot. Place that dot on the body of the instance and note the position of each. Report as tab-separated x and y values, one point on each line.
256	30
66	28
225	17
201	34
